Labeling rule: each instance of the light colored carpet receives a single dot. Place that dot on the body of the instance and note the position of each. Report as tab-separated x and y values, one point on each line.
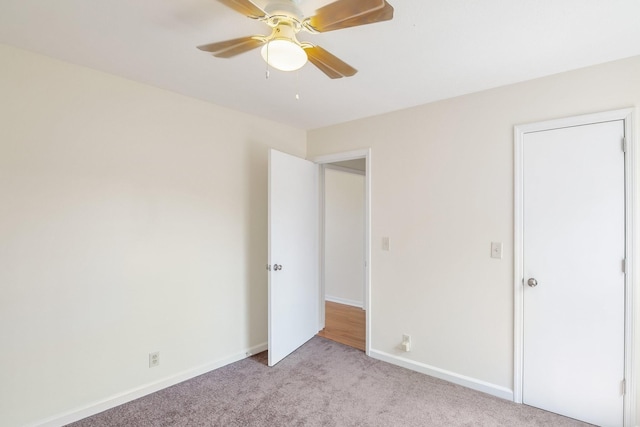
323	383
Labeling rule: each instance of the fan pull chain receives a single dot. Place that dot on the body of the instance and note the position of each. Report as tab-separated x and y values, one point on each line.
266	73
297	85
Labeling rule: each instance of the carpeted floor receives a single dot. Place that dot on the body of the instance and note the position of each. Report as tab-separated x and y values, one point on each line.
323	383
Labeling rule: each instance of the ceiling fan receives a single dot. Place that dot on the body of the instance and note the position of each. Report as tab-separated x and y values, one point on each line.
282	50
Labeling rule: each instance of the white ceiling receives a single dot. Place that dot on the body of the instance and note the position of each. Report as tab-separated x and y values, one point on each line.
431	50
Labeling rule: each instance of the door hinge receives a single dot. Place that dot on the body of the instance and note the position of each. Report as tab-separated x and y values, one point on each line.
624	265
624	386
624	145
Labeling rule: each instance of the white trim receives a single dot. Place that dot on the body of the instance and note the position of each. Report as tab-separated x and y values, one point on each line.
367	252
518	222
344	169
138	392
631	184
340	157
344	301
322	226
585	119
631	309
472	383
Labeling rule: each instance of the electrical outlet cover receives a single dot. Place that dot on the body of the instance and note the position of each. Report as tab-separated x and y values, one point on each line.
154	359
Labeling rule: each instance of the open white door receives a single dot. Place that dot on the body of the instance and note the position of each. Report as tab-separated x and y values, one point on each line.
293	254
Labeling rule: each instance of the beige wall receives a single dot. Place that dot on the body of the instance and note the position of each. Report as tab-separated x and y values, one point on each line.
442	190
132	220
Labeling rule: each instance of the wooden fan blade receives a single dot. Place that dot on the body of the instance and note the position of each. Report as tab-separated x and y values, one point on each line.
229	48
384	14
245	7
349	13
328	63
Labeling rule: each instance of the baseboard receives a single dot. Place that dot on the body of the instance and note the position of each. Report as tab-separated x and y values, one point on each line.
345	301
128	396
472	383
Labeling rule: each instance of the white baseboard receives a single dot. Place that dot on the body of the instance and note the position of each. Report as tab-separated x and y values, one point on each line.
472	383
128	396
345	301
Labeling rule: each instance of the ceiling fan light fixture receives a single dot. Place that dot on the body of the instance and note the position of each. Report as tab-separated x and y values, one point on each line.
282	50
284	55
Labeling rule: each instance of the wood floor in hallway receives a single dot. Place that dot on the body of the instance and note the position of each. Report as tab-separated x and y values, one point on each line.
344	324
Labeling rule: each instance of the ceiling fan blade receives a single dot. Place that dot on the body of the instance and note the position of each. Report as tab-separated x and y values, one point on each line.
349	13
384	14
328	63
229	48
245	7
328	71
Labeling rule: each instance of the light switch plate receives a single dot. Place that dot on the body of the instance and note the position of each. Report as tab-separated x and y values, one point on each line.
496	250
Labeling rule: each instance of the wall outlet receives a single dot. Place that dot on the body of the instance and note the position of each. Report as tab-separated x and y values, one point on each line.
406	342
154	359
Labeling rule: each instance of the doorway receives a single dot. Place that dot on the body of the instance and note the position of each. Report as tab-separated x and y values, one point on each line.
573	209
346	287
344	248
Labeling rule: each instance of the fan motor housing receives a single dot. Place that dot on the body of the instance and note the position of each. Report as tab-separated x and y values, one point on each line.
285	29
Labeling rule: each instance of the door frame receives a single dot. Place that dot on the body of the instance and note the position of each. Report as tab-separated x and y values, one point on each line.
627	115
364	153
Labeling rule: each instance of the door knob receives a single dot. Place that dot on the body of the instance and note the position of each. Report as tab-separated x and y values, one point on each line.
532	282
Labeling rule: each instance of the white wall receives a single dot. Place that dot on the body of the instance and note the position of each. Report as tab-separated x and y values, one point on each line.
131	220
344	237
442	190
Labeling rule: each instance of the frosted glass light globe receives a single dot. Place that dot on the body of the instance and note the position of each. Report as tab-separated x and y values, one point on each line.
284	55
